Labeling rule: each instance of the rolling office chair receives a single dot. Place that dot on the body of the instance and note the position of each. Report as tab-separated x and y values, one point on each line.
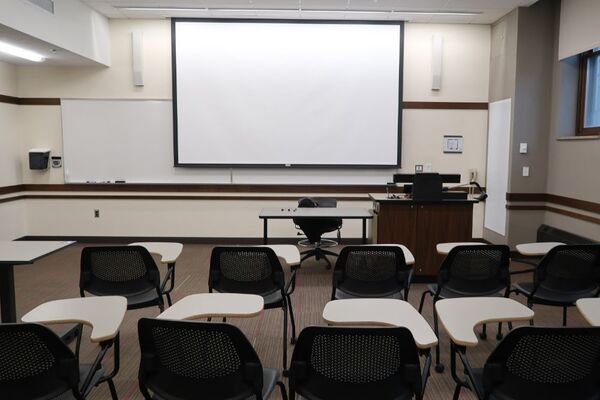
356	364
36	365
534	363
567	273
314	228
183	360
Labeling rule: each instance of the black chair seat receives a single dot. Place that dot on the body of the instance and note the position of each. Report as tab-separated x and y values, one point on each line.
552	297
342	295
269	380
142	300
273	300
448	293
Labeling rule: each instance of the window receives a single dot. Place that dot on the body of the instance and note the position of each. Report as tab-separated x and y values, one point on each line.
588	120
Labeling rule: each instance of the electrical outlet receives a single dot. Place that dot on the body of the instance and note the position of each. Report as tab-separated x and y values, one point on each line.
525	171
96	213
418	168
523	148
472	175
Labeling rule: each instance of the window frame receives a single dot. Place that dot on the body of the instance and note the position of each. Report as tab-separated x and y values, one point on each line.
582	94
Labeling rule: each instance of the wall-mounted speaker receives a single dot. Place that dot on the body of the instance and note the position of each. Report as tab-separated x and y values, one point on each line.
436	62
137	42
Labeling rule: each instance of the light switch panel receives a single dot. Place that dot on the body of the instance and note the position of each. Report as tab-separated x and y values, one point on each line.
525	171
523	148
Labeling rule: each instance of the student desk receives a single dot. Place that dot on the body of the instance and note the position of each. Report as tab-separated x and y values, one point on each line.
590	309
460	316
538	249
208	305
317	212
18	253
386	312
445	248
103	313
168	252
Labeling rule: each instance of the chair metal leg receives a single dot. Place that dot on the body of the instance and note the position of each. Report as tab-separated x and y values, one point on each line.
439	367
169	301
425	293
292	320
499	334
483	334
564	316
530	305
285	338
113	390
282	389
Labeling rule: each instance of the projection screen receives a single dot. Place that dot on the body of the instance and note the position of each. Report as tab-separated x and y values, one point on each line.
287	93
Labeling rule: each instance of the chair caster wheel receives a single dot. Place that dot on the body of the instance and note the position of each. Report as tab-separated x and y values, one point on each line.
439	368
483	336
499	336
293	341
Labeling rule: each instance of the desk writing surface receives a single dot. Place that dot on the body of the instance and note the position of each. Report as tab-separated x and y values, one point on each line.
378	312
460	316
315	212
27	251
103	313
168	251
206	305
590	309
537	249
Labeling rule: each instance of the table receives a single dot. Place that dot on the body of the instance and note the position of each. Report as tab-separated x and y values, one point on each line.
18	253
590	309
208	305
169	252
445	248
317	212
460	316
104	314
537	249
386	312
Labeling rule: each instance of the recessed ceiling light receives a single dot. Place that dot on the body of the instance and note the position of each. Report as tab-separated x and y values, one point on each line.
21	52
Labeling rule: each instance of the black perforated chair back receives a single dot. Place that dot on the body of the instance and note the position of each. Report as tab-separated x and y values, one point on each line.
545	363
371	271
355	363
314	228
239	269
476	270
35	363
570	268
118	270
193	360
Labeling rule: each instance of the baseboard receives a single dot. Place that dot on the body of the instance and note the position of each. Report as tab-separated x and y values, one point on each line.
184	240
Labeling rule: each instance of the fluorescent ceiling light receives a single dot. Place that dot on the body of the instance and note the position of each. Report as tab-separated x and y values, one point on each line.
20	52
303	10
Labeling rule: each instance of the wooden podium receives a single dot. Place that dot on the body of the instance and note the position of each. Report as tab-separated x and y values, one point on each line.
420	226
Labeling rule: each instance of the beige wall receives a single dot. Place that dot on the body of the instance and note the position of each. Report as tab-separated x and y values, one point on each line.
12	216
465	78
579	27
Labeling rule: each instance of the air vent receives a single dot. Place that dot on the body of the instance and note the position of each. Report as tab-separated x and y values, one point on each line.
47	5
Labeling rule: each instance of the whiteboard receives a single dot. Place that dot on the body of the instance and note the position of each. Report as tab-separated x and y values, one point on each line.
132	140
497	165
287	93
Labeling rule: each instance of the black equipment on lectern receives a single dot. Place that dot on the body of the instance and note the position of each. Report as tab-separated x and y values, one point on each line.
427	187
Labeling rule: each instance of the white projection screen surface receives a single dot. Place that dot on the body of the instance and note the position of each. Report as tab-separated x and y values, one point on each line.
279	93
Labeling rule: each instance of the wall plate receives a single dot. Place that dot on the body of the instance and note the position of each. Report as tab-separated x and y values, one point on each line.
453	144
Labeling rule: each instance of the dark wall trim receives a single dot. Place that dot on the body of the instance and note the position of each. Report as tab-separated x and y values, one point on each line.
30	101
9	99
167	197
556	199
581	217
11	189
444	105
184	240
